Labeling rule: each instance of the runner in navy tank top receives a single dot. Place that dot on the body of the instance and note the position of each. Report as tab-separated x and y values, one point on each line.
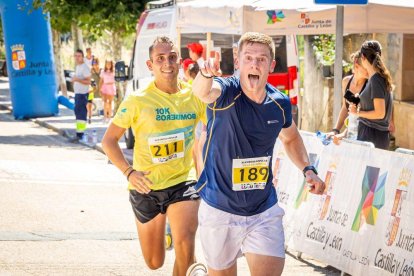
239	214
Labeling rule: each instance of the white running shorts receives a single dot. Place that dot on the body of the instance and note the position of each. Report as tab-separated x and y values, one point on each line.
226	237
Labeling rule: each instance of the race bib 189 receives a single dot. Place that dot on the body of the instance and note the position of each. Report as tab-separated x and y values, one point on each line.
250	173
166	148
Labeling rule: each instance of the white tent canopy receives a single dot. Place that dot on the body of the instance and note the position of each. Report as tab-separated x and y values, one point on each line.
295	17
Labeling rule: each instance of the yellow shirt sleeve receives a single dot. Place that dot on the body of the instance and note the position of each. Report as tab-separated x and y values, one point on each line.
127	113
203	112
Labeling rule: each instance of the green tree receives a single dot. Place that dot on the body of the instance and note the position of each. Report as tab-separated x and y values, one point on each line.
63	19
118	17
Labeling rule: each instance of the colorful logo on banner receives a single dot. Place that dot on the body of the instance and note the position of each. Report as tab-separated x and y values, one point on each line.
274	16
18	57
305	18
327	194
373	198
304	191
278	167
399	199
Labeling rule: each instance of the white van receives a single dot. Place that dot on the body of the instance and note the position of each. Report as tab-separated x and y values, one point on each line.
164	18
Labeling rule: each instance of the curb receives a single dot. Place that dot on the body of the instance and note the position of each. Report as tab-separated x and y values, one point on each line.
65	134
59	131
62	132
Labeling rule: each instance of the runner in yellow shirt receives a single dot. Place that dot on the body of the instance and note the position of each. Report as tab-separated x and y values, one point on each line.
163	118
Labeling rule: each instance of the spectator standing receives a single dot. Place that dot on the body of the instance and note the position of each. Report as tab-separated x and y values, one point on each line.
94	91
107	88
351	85
81	82
89	57
375	108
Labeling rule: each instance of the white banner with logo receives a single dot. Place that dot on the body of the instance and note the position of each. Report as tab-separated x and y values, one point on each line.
363	224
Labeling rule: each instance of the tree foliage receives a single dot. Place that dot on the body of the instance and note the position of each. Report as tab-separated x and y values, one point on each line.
62	12
95	16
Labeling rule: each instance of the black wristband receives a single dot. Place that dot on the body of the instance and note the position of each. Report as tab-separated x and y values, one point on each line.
207	77
309	168
127	170
337	131
130	173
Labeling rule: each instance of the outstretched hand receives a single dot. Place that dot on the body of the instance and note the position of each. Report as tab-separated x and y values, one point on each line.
211	66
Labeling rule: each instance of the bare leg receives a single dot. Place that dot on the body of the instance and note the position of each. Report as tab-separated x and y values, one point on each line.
231	271
183	221
105	105
110	103
151	238
89	108
261	265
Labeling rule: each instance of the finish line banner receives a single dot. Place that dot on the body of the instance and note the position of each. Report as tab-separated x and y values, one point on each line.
363	224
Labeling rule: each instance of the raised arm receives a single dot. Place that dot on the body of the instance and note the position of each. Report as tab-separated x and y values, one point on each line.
204	87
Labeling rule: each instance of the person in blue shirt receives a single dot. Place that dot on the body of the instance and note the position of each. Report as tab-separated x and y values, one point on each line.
239	214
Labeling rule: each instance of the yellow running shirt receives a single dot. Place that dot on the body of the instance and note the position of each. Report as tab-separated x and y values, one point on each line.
164	127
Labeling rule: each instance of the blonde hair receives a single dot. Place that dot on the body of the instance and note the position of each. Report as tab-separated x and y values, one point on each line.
254	37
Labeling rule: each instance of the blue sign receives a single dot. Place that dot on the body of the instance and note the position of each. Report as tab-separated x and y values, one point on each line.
30	60
341	2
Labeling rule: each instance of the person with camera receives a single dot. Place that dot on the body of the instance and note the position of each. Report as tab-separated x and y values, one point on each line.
352	85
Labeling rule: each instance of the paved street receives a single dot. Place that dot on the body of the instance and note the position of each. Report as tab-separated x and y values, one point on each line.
65	211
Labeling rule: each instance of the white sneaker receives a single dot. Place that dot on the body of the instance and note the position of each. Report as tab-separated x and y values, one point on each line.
197	269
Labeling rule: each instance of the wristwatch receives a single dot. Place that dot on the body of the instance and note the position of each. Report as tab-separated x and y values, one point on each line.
309	168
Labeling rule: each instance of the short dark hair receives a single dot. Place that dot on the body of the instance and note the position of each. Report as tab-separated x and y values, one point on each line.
80	52
158	40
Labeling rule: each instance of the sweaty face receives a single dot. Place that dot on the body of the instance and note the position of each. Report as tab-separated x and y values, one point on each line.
164	62
255	64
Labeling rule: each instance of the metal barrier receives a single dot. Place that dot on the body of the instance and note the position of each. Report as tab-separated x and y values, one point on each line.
361	143
405	151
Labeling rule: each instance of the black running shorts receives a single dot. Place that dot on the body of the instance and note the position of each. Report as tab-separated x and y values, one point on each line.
148	206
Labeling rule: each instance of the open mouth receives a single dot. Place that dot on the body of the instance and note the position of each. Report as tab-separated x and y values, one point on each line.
253	79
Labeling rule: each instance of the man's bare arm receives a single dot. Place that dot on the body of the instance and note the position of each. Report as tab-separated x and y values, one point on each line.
85	81
111	148
204	87
295	149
